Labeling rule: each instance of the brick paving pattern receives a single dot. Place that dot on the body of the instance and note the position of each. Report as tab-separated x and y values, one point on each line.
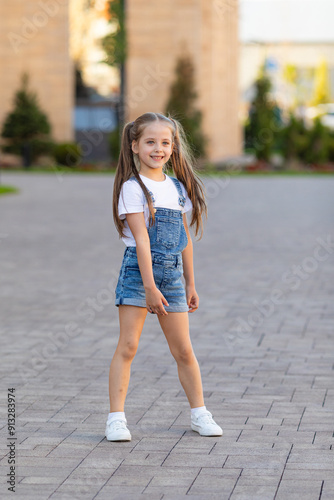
263	335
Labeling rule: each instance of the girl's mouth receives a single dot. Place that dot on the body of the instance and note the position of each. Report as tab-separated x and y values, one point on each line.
157	158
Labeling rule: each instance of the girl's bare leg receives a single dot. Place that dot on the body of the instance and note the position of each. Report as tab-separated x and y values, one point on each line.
131	321
176	329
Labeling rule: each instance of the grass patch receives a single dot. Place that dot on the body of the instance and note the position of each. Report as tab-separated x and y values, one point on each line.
8	189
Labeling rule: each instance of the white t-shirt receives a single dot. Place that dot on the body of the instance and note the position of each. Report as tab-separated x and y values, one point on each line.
132	200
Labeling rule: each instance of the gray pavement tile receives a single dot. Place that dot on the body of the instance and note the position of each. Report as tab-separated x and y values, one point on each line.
295	489
117	493
143	458
139	481
308	475
41	480
159	490
328	488
32	470
82	490
314	465
258	480
74	494
175	459
156	471
250	449
257	474
255	461
152	444
253	492
30	491
38	451
222	485
48	462
65	450
91	475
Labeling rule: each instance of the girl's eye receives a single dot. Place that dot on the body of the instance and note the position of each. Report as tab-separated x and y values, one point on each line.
165	143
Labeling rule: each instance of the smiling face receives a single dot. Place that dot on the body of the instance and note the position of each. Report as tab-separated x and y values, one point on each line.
154	148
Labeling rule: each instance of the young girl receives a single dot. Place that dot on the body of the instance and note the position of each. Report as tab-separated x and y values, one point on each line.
149	210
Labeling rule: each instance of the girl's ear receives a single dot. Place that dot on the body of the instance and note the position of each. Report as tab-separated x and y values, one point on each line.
134	147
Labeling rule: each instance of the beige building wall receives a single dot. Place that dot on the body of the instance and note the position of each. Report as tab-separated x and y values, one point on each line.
159	32
34	38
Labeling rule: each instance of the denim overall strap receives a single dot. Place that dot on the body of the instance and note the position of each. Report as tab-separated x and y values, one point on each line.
182	199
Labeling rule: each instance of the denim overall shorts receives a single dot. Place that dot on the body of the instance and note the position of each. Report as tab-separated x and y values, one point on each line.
168	238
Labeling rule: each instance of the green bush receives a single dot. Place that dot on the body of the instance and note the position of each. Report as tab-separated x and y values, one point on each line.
317	151
313	145
67	153
34	147
115	144
293	139
331	145
263	121
26	129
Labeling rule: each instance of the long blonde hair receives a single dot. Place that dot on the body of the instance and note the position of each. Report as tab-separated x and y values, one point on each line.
181	162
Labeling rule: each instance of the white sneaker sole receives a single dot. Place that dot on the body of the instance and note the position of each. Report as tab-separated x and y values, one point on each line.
120	438
196	428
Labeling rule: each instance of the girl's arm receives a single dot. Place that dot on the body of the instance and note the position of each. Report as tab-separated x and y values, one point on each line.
154	299
188	271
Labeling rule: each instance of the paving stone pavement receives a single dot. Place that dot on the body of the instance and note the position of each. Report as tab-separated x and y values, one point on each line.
263	336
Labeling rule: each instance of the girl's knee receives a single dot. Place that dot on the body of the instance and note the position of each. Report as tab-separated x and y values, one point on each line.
128	350
184	355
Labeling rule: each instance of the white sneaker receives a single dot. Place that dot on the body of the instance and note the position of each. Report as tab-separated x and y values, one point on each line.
205	425
116	430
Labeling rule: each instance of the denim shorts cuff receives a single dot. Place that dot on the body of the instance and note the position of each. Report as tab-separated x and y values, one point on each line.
136	302
130	301
177	308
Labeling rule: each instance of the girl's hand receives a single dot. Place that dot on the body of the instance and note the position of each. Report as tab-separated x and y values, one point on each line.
155	301
192	298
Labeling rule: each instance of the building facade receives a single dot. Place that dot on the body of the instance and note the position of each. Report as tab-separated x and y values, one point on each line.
45	37
295	59
207	30
34	39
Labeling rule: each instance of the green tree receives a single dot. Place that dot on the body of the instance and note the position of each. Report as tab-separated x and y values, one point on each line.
294	139
115	47
317	152
309	145
181	105
26	128
263	119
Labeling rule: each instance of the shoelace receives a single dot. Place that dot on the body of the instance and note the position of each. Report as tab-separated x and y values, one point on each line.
119	424
206	418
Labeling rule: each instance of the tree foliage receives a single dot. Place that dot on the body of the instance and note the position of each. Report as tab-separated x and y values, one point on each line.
114	44
181	105
27	126
263	119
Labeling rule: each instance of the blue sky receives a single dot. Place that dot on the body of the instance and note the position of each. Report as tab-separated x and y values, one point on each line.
286	20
